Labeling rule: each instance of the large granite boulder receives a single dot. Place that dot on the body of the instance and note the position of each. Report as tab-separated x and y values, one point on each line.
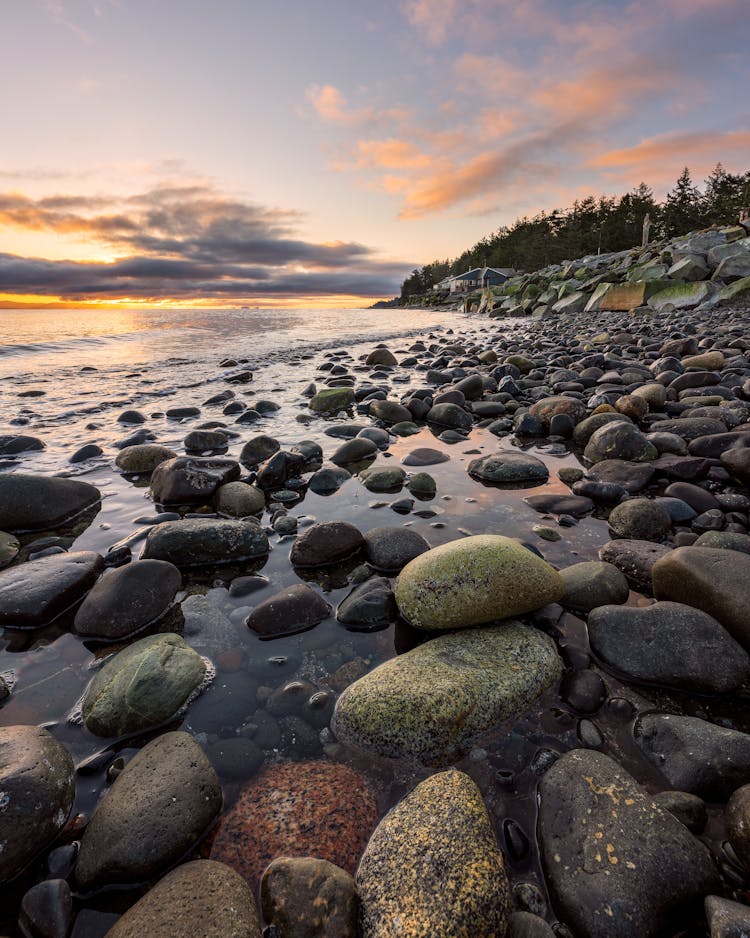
474	580
430	703
432	866
37	788
616	863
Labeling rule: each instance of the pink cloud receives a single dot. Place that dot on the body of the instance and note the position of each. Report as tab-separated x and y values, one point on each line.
390	154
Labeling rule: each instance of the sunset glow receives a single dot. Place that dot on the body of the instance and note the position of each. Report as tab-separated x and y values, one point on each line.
301	155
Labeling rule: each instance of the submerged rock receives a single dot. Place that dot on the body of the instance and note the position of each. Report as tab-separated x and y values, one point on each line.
142	686
616	863
205	542
291	610
302	897
430	703
508	468
432	866
474	580
159	806
326	543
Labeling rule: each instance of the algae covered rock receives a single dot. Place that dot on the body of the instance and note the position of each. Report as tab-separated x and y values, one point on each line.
432	702
475	580
432	867
332	400
142	686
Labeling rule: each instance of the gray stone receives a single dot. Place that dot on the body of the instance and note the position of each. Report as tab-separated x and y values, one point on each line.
727	919
239	500
507	468
668	643
327	543
424	456
635	559
689	810
710	579
390	548
619	440
640	519
142	458
9	547
205	542
12	444
47	910
631	476
159	806
142	686
36	592
356	450
430	703
432	866
616	863
451	416
128	599
369	605
257	450
37	503
328	479
383	478
37	783
695	755
593	583
737	820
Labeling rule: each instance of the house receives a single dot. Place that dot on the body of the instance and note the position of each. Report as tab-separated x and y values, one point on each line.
476	279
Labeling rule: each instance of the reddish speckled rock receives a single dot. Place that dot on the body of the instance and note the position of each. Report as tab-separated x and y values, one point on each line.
297	809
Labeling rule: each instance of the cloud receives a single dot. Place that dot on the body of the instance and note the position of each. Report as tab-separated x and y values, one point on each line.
390	154
185	242
330	104
680	147
432	19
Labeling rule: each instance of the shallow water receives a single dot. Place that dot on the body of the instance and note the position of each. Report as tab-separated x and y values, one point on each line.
52	667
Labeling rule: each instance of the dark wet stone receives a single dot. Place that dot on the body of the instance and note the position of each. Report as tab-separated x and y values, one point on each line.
593	583
507	468
205	542
451	416
278	469
354	450
715	444
142	686
698	498
202	898
188	479
422	485
616	863
632	476
201	441
37	782
606	493
689	810
34	593
640	519
635	559
619	440
432	866
47	910
583	690
708	579
586	428
37	503
11	444
136	438
390	411
326	543
383	478
528	925
668	643
369	605
162	802
304	897
128	599
9	548
89	451
381	438
131	416
695	755
737	819
725	540
689	428
293	609
235	758
576	505
737	461
180	413
328	479
678	510
257	450
424	456
391	548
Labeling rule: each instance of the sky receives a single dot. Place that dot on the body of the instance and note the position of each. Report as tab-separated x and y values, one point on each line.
313	152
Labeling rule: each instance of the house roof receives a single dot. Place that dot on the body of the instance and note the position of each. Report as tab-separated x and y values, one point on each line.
479	273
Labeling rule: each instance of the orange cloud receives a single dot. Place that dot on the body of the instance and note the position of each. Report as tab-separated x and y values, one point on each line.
432	18
330	103
390	154
675	147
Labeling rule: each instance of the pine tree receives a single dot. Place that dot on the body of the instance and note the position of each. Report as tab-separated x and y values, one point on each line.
683	211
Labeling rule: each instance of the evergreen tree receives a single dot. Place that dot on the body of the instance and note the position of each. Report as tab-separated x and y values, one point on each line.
683	210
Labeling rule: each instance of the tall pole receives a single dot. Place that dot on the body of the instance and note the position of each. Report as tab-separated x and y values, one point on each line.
646	230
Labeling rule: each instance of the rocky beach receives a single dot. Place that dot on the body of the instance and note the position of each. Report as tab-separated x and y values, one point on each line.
434	631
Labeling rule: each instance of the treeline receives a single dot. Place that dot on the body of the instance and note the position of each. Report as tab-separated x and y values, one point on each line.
609	223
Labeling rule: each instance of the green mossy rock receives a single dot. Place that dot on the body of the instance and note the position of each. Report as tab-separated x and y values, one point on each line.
332	400
475	580
430	704
142	686
432	867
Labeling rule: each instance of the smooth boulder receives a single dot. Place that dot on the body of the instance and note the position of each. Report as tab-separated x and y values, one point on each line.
430	703
432	866
303	897
474	580
206	542
36	503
